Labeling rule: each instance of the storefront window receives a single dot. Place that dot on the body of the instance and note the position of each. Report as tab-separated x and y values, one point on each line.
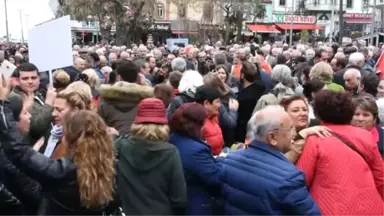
160	10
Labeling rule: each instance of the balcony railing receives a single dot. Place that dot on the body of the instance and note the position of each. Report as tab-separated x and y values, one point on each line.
322	5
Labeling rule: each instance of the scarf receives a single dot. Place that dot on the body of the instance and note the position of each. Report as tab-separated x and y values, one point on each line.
57	132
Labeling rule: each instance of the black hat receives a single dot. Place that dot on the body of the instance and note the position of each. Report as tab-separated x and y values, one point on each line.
208	93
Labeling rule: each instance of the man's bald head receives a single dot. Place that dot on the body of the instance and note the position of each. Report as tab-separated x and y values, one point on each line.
272	125
102	61
79	64
124	55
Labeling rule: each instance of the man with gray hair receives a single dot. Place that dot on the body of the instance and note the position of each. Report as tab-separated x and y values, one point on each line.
357	59
352	79
219	58
309	54
263	164
179	64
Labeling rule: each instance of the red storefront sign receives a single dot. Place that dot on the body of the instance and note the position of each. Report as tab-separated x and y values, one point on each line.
357	18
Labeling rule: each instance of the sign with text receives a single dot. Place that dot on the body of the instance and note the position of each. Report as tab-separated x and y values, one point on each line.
357	18
161	26
172	43
285	18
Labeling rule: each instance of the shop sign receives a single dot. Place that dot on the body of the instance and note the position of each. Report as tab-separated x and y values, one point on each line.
161	26
323	19
285	18
358	18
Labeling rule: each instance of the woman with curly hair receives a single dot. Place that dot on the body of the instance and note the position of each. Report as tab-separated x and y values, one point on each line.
51	144
345	171
81	182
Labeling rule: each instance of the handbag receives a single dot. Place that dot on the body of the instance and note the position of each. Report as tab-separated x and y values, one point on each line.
350	145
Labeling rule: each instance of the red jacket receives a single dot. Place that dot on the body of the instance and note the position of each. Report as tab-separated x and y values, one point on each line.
213	135
340	181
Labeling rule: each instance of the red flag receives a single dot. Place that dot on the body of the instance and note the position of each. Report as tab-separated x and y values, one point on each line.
380	66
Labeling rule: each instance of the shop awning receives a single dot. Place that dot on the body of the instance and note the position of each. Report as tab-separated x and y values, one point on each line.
260	28
299	26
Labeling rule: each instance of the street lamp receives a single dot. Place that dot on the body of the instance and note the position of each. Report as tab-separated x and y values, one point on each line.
291	28
6	21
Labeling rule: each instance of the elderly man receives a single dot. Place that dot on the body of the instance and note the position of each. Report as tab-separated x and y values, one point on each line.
309	54
179	64
103	61
352	79
170	58
355	61
125	55
112	57
262	172
192	63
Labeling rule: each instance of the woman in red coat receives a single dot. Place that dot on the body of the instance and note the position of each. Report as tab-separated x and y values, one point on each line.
344	173
209	97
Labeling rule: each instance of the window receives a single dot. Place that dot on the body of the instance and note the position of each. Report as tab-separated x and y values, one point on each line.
182	11
365	4
160	11
282	2
349	3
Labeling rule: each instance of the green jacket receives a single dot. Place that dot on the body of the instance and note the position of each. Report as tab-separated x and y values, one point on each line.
41	116
150	177
334	87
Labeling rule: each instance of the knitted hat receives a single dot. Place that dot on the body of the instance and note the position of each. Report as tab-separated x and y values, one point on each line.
151	110
15	104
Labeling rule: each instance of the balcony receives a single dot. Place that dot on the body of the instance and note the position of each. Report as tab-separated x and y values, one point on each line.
322	5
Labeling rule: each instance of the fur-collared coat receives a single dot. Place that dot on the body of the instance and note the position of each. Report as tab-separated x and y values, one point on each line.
119	103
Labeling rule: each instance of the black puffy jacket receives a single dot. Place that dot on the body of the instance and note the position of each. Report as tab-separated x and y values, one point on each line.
58	177
27	190
10	205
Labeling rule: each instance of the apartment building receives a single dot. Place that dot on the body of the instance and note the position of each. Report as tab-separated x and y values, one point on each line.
358	14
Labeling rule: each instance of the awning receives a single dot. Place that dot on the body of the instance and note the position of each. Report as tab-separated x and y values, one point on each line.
263	28
299	26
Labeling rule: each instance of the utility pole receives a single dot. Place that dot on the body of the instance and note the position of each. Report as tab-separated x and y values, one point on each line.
291	28
6	21
21	26
373	22
341	22
332	21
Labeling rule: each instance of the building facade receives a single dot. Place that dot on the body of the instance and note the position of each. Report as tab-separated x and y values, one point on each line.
359	16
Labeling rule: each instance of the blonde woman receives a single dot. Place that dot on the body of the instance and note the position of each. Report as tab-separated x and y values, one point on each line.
51	145
81	182
61	80
323	71
150	174
80	87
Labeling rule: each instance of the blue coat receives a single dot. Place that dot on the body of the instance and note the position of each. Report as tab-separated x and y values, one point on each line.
201	173
261	181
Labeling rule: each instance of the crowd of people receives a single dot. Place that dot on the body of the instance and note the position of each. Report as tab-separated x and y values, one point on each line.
250	129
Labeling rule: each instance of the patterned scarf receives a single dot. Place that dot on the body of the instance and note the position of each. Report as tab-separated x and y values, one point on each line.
57	132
